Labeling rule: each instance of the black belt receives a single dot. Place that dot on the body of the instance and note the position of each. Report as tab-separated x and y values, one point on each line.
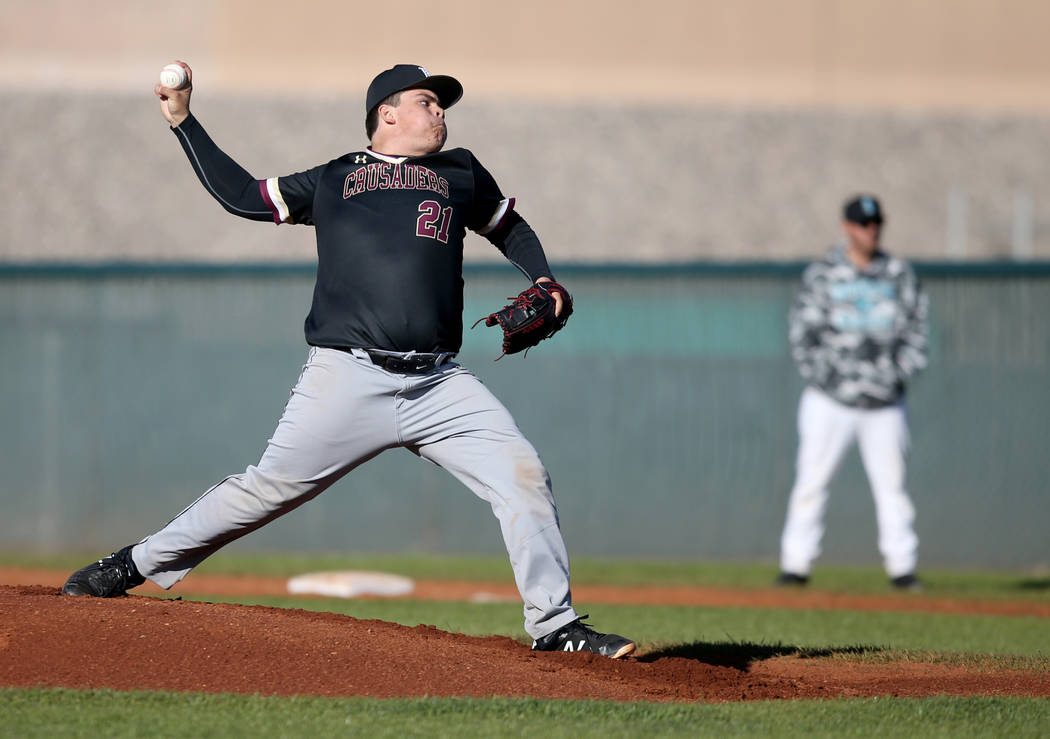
408	364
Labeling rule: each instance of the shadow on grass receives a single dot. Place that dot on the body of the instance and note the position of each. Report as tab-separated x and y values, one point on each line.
740	655
1035	583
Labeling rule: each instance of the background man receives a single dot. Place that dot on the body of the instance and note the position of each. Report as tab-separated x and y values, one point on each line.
858	332
385	325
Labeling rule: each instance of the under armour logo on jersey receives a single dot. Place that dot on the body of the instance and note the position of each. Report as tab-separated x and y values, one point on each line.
569	647
360	159
424	71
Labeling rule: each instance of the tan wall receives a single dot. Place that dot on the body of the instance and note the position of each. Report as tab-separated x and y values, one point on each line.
939	106
973	54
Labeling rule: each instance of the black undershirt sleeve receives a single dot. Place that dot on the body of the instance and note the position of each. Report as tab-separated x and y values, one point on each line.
519	243
229	183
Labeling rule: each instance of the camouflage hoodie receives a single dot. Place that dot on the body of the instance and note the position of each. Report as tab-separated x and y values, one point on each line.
859	335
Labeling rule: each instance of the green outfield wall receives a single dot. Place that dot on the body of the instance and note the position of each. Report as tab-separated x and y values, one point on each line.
665	412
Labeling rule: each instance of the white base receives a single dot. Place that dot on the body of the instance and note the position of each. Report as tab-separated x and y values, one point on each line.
350	584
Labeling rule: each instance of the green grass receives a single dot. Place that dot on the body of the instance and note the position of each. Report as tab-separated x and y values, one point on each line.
67	713
1032	586
735	636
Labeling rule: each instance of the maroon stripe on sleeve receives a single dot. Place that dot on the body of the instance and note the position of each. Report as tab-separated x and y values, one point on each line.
269	203
510	207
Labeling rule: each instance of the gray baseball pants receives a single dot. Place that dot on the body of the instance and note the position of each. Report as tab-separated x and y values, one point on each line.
342	412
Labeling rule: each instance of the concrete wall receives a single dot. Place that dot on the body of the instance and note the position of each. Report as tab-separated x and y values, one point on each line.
676	130
102	177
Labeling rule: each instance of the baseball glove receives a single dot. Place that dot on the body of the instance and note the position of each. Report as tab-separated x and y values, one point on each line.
530	318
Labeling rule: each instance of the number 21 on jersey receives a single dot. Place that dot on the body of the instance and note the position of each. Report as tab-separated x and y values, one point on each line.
433	221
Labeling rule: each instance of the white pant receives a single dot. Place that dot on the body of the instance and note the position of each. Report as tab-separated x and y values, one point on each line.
344	411
826	430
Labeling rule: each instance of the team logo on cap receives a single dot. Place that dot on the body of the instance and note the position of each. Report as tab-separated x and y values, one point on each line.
424	71
868	206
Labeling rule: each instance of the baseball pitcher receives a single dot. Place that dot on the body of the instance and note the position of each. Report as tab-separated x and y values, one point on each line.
383	333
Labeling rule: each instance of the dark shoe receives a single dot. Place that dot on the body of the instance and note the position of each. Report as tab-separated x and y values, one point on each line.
786	579
110	577
579	637
908	582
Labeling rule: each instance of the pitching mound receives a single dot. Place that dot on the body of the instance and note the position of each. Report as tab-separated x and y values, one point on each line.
142	643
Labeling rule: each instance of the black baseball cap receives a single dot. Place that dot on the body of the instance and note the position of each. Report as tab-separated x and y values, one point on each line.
402	77
863	209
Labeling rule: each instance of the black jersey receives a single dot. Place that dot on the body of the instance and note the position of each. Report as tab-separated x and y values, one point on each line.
389	244
389	237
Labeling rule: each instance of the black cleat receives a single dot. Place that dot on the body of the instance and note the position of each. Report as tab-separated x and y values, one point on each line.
110	577
579	637
907	582
790	579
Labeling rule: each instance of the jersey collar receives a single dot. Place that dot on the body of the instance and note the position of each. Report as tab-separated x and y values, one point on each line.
385	158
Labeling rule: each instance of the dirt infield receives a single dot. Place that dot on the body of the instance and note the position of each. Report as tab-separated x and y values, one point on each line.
148	643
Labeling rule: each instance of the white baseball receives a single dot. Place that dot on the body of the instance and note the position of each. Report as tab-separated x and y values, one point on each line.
173	76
